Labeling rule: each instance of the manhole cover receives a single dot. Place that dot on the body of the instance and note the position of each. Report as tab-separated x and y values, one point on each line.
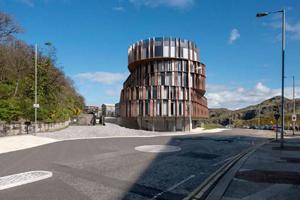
157	148
23	178
263	176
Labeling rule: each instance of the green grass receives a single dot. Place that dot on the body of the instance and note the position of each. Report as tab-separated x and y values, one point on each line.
212	126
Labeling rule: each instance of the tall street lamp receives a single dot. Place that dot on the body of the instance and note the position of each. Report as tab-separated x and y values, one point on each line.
262	14
36	105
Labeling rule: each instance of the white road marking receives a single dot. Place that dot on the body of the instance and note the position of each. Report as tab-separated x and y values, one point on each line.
174	186
23	178
157	148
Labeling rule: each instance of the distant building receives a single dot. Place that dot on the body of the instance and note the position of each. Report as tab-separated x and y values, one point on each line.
108	110
166	75
91	109
117	109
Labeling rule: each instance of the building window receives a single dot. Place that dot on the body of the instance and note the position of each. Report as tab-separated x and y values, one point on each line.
172	109
149	92
168	78
141	108
185	80
180	108
179	79
162	76
165	108
179	66
158	47
180	93
165	93
154	92
158	108
166	51
147	108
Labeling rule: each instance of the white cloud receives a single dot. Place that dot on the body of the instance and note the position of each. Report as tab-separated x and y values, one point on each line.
118	8
233	98
293	29
234	35
29	3
180	4
102	77
113	92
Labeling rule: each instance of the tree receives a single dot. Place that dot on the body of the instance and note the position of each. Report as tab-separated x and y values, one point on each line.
57	95
8	26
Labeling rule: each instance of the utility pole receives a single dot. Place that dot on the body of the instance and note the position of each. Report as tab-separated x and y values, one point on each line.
262	14
35	89
294	105
282	77
36	105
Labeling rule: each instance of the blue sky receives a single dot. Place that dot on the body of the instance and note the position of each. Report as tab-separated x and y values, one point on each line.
241	52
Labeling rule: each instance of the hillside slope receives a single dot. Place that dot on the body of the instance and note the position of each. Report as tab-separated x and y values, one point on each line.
262	113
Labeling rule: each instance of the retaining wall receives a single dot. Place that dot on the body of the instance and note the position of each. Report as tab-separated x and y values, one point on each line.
19	128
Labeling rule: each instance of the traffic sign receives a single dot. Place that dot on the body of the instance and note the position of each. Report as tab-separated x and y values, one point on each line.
294	117
276	116
36	105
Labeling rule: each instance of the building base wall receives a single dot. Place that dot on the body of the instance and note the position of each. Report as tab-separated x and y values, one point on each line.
157	123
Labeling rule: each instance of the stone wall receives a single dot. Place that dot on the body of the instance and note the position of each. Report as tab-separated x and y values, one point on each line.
19	128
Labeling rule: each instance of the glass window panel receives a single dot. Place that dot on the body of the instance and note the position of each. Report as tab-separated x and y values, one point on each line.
166	41
179	66
166	51
165	108
158	51
154	92
162	75
172	52
191	54
173	42
179	79
180	108
185	53
158	108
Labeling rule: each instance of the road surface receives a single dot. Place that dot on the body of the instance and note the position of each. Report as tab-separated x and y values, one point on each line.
112	168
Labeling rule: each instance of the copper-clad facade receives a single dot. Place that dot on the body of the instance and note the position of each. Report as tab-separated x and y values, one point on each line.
164	73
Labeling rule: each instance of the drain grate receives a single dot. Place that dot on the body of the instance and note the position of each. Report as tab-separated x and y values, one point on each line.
206	156
264	176
287	148
291	159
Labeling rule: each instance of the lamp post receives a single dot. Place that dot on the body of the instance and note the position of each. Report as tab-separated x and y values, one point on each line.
262	14
36	105
294	107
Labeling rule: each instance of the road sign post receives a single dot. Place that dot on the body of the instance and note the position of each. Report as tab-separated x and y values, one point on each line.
276	118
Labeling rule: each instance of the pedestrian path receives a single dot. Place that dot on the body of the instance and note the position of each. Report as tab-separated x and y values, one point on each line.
14	143
269	173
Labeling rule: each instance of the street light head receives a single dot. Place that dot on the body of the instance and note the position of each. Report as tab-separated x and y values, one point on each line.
48	43
262	14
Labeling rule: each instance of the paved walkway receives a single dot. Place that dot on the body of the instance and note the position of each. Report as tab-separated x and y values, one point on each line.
14	143
271	173
112	130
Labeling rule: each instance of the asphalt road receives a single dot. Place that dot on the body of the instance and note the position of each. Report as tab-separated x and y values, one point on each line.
112	169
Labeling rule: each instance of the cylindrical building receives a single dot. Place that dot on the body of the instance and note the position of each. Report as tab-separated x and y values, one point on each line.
166	77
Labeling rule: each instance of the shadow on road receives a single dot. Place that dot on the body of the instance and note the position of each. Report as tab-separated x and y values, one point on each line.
173	175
